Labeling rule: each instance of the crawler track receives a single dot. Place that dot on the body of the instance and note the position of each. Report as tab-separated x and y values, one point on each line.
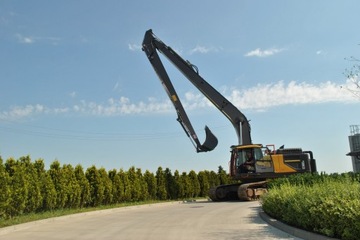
238	191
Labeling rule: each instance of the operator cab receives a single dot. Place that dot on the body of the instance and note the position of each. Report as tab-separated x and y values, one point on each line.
248	159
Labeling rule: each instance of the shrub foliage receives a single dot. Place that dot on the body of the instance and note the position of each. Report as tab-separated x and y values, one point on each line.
322	203
27	187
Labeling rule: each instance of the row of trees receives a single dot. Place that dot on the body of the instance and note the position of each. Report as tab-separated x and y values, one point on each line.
27	187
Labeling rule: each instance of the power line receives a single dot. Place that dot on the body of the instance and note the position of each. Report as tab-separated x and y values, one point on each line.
56	133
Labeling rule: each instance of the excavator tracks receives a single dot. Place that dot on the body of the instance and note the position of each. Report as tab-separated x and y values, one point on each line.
239	191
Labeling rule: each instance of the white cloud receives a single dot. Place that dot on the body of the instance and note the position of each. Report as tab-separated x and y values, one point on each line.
194	101
116	87
277	94
203	49
60	110
134	47
265	96
32	39
321	52
121	106
263	53
353	86
23	39
72	94
18	112
259	98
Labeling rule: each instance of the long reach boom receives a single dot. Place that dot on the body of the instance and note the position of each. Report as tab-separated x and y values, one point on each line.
151	45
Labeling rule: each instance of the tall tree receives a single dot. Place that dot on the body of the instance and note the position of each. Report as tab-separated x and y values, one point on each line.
4	190
172	188
195	185
223	176
59	182
126	186
213	179
186	188
204	183
47	187
96	186
106	181
160	184
10	166
135	184
144	194
34	196
150	180
71	187
18	188
180	187
116	184
84	186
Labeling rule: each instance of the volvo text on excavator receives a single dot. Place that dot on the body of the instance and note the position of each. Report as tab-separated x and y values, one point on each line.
252	164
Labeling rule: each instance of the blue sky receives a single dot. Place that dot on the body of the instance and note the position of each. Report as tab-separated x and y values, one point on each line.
76	87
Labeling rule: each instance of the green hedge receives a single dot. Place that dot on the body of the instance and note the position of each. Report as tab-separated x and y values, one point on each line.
27	187
326	204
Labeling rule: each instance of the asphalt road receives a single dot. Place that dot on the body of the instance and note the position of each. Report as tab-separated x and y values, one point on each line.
193	220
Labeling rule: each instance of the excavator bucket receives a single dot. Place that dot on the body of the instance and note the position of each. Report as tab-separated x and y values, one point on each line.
210	141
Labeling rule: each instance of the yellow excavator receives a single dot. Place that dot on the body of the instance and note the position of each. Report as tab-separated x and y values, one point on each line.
252	164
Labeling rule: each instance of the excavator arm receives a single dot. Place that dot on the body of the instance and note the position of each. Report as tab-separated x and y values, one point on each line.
151	45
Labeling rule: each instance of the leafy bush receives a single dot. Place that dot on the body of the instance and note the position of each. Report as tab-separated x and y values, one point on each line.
327	204
26	187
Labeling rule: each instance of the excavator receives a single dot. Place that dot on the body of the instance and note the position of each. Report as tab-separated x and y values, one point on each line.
251	165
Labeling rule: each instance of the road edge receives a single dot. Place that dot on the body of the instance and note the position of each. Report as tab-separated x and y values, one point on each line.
22	226
296	232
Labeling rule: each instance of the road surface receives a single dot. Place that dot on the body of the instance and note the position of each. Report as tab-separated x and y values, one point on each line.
194	220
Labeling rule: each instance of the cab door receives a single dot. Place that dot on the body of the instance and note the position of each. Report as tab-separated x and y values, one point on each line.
263	161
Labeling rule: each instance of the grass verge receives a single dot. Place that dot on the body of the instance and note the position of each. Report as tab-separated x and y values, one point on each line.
63	212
